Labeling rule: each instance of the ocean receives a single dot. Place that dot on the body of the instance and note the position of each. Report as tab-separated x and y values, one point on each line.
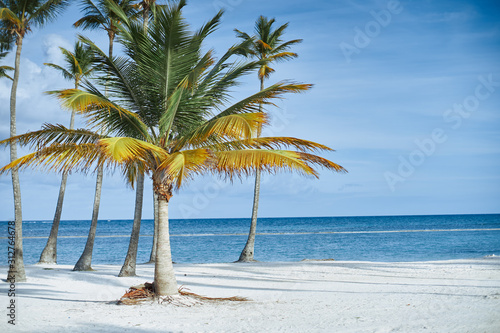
377	238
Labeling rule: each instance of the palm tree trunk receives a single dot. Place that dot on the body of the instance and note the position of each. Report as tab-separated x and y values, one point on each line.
248	251
16	269
152	257
49	253
165	283
128	268
85	261
145	18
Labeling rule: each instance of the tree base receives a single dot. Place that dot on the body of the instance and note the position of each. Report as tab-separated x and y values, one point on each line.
85	269
246	260
145	294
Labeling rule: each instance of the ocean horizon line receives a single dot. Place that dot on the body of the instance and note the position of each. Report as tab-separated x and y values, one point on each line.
281	217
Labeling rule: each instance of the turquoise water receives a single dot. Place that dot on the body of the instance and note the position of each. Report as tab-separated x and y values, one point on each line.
383	238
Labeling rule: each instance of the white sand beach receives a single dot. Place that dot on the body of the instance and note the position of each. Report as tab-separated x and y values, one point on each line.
309	296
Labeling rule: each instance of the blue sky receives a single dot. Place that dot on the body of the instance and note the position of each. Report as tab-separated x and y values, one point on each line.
408	93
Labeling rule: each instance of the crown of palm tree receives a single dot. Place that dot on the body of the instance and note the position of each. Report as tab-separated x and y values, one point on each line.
79	63
267	44
19	16
169	113
98	14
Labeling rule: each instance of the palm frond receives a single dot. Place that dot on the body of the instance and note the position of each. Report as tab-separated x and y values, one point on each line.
48	11
239	163
126	150
101	112
219	130
271	143
62	158
183	165
65	73
264	97
245	162
50	134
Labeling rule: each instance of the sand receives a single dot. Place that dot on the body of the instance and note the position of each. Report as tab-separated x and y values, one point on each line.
308	296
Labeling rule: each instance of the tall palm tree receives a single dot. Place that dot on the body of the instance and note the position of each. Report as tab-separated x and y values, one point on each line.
267	46
169	114
4	68
99	15
78	66
19	17
148	8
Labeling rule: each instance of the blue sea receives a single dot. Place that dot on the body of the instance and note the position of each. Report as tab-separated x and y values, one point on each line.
380	238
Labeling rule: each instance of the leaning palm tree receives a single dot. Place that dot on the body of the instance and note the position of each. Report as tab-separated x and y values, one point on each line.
4	68
267	46
169	115
98	15
19	17
78	66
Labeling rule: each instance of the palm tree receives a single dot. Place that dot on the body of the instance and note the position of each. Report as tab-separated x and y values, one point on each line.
97	15
169	115
78	66
267	46
148	8
4	69
18	18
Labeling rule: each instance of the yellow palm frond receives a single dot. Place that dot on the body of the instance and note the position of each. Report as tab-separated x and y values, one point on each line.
62	158
50	134
91	106
272	143
183	165
7	15
235	126
282	56
80	101
265	71
130	150
263	44
246	162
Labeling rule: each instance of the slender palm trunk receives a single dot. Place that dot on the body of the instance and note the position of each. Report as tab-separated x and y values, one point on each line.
145	18
165	283
128	268
152	257
248	251
247	254
16	269
85	261
49	253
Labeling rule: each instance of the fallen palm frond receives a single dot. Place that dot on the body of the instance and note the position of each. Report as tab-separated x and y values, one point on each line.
145	293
